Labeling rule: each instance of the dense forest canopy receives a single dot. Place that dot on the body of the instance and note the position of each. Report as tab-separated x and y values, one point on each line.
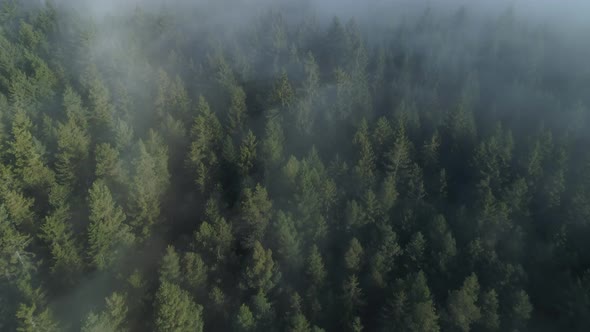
294	166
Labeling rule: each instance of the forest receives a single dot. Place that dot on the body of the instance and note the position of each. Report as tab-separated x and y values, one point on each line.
193	166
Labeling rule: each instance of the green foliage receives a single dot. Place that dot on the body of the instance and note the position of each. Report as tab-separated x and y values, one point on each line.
149	182
521	309
99	100
288	245
315	269
28	153
462	304
15	260
206	134
443	247
490	319
365	168
384	259
411	308
353	256
215	240
108	164
261	272
111	319
176	311
282	93
274	139
415	250
297	320
256	213
33	319
237	113
194	270
65	252
170	266
248	153
352	296
245	319
341	161
108	235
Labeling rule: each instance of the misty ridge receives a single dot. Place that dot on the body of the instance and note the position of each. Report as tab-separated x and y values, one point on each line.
275	165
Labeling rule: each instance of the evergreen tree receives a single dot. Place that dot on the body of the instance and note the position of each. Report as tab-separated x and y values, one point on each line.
108	235
57	232
206	135
111	319
28	153
462	305
261	272
256	212
245	320
237	113
176	311
148	185
170	266
73	140
353	256
215	240
272	145
33	319
248	153
365	168
490	319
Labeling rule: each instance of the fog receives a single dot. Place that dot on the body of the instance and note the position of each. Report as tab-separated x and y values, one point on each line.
343	98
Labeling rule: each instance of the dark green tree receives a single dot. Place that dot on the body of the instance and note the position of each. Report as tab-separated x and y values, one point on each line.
462	307
108	235
176	311
256	211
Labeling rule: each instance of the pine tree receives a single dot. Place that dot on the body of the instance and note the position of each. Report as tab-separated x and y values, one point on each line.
112	319
194	271
28	153
353	256
415	250
296	320
256	210
315	269
442	243
149	183
57	232
398	158
490	320
176	311
214	240
109	165
73	140
521	309
248	153
352	296
422	314
304	116
15	259
237	113
288	246
170	266
462	305
108	235
261	272
365	168
206	135
245	320
272	144
282	93
32	319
